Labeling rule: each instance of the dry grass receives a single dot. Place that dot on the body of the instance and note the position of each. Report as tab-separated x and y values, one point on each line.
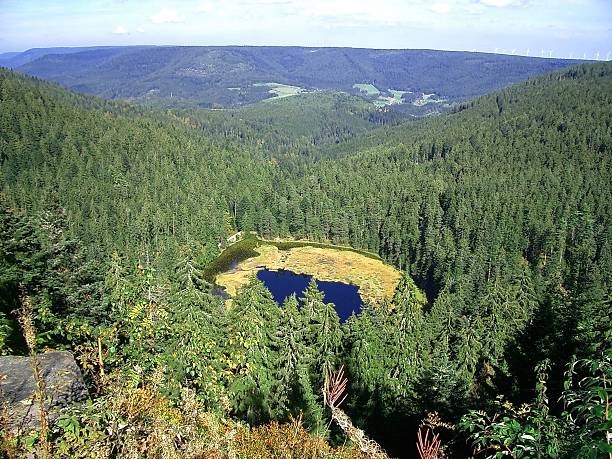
26	320
290	441
376	280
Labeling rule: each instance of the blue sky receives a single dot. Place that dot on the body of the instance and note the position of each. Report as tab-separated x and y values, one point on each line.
557	28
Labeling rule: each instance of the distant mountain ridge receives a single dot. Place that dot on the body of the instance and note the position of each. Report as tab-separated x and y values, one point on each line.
224	76
16	59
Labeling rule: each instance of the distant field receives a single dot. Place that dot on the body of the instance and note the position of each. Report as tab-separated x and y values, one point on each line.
383	98
428	99
394	99
397	94
281	90
368	88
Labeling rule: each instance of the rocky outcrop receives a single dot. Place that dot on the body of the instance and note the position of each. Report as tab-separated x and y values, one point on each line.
63	384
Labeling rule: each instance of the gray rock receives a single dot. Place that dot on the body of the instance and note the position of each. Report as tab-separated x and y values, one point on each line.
63	386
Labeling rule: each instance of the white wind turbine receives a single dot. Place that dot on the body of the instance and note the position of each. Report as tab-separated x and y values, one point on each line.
527	52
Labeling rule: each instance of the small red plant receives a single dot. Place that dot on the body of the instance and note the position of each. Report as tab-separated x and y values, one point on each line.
334	387
428	448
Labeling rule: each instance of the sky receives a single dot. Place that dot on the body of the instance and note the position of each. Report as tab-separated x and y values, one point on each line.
548	28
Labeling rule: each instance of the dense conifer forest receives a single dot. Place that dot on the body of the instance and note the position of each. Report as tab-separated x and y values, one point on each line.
499	212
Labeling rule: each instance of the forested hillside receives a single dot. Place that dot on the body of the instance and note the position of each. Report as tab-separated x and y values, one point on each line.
111	168
16	59
500	212
188	76
295	130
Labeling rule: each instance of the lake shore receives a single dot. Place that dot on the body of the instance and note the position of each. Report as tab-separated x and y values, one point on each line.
376	280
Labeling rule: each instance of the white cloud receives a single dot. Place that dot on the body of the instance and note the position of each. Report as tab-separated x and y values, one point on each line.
166	15
272	2
140	30
288	14
440	8
205	8
503	3
351	13
120	30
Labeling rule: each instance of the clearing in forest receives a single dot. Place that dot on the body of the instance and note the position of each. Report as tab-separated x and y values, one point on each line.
376	280
281	90
368	88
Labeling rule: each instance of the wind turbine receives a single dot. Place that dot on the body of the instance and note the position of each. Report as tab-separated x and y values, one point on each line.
608	56
550	53
496	49
542	53
527	52
597	56
513	51
584	56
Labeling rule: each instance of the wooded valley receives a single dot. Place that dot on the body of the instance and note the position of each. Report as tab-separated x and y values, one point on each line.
497	213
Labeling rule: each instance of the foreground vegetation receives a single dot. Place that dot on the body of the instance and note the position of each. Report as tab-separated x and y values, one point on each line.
499	212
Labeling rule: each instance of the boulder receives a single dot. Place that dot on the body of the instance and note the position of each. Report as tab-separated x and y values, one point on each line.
63	386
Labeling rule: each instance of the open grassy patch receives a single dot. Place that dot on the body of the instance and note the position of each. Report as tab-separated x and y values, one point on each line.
427	99
390	97
368	88
281	90
398	94
383	101
376	280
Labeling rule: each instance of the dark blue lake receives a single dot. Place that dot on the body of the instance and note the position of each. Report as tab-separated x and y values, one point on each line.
282	284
